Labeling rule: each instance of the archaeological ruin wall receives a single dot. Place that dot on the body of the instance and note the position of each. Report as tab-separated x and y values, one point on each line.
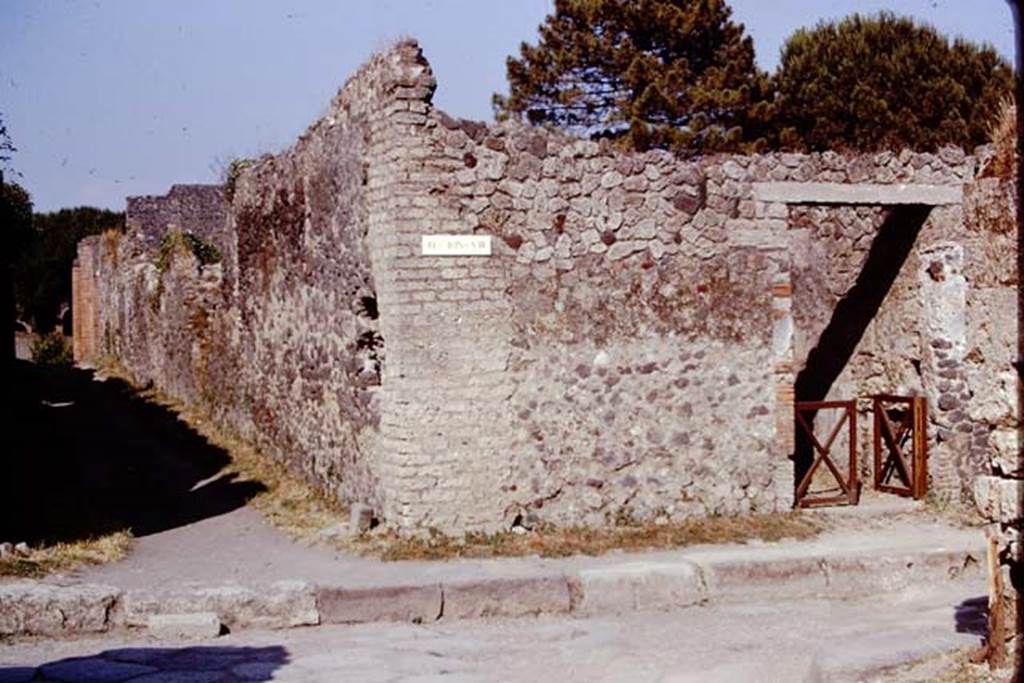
199	209
631	348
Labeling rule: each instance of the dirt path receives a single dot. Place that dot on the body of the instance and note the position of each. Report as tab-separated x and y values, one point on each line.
88	458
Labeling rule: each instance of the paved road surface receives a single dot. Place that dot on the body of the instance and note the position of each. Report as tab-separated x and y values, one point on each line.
809	640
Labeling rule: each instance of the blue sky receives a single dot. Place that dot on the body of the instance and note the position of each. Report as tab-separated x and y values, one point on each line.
109	98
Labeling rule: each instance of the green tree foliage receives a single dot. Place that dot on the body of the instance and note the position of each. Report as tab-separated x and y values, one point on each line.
883	82
16	233
6	148
43	274
673	74
16	213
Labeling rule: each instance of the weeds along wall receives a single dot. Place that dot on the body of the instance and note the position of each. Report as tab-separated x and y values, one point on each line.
198	208
630	349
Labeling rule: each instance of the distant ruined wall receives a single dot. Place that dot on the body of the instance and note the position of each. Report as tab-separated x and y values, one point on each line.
199	209
279	342
631	348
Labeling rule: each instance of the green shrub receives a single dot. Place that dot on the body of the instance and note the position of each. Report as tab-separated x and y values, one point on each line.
234	170
52	349
185	242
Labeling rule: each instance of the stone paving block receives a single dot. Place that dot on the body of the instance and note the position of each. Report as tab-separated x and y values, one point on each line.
506	598
255	671
93	670
190	625
17	674
418	604
183	677
30	608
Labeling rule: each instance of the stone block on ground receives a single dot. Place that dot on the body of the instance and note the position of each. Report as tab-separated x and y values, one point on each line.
419	604
506	598
360	518
29	608
189	625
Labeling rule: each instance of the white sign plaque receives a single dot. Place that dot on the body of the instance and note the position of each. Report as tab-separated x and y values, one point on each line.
456	245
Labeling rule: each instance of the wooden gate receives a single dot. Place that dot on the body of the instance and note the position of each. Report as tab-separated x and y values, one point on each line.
900	424
848	486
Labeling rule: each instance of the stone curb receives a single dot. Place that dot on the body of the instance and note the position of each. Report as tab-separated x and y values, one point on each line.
28	608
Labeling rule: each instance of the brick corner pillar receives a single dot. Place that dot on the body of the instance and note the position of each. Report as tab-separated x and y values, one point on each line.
444	321
84	311
76	311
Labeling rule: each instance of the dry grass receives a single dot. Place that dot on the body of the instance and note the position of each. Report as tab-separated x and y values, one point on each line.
560	542
288	501
1003	134
65	557
952	667
291	504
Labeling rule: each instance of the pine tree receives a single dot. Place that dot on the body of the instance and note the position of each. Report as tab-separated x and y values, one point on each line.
883	82
675	74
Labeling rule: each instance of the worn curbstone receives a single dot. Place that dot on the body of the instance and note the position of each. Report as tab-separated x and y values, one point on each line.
387	603
507	597
739	579
29	608
191	625
859	575
280	605
639	586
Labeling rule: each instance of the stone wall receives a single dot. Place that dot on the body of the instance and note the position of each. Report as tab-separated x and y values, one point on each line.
990	322
631	348
199	209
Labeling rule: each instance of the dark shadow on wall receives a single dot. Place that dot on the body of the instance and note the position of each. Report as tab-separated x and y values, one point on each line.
151	663
83	458
854	312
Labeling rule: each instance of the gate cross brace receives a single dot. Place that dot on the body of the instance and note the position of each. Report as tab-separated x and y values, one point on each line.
896	458
823	455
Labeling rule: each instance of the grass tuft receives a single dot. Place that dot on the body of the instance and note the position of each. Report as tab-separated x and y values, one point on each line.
1003	135
287	501
65	557
564	541
290	503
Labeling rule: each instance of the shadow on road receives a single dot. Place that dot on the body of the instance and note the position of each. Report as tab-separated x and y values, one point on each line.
83	458
170	664
972	616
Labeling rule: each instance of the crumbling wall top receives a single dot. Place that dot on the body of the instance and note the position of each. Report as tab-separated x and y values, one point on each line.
199	209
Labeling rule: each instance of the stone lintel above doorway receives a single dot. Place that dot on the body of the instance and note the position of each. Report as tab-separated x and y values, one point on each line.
860	193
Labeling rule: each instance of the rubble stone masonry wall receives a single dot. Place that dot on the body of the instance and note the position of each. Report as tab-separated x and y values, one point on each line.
198	209
630	349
